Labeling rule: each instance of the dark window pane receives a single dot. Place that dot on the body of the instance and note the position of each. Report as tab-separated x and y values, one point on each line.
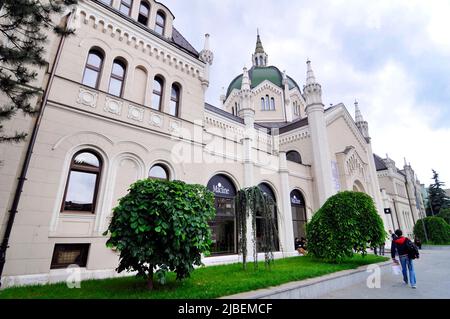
144	9
158	172
115	87
65	255
142	19
294	156
157	85
160	19
175	93
80	191
90	78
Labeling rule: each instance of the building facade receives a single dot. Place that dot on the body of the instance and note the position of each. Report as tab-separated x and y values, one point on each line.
126	101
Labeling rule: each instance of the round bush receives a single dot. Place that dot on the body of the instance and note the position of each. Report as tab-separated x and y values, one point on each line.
445	213
346	223
162	225
438	230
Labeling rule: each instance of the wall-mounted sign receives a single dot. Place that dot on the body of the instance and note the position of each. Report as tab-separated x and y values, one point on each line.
297	198
222	186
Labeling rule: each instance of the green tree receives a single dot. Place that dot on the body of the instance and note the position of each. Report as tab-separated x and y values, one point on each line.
445	214
438	230
23	25
436	195
346	223
163	226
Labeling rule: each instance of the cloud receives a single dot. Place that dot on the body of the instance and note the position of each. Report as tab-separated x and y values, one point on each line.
390	55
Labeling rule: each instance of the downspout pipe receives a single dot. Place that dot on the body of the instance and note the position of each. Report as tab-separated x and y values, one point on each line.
26	163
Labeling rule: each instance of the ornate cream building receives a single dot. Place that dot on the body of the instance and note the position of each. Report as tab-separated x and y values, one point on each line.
125	100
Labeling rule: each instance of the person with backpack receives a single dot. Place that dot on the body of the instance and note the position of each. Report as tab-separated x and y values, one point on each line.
407	252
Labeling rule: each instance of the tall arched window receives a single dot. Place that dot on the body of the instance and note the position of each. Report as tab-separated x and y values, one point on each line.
158	85
117	78
263	104
261	61
174	106
93	68
144	12
125	7
294	156
272	104
224	226
261	222
256	61
160	23
83	182
267	107
159	172
299	219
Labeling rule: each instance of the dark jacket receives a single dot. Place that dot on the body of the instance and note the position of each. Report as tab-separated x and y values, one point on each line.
399	244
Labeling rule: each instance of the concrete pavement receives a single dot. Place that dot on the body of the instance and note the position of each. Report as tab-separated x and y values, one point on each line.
432	274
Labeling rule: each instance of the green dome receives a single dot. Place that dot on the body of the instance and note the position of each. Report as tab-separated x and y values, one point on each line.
261	74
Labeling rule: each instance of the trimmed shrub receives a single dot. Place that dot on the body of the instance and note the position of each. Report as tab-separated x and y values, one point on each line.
348	222
162	225
438	230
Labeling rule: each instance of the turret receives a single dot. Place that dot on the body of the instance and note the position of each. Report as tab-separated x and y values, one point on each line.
207	56
246	111
287	99
362	125
319	137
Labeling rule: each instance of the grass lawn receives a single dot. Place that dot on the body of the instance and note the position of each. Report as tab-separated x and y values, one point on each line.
205	282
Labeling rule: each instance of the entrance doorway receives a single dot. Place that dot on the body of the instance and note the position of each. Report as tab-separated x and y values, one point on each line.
299	219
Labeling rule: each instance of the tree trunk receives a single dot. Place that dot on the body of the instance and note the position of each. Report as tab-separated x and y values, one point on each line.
150	279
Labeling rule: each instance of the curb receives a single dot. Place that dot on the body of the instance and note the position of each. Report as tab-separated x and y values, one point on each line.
314	287
438	247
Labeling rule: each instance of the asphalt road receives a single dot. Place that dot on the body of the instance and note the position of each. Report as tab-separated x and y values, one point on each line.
432	274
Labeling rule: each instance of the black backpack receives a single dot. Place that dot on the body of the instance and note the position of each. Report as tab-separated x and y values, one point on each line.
411	249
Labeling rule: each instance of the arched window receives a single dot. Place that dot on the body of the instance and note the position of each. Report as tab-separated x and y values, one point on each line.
144	12
232	111
158	85
223	227
267	106
174	107
263	104
299	219
159	172
256	61
261	61
272	104
83	182
294	156
117	78
93	68
125	7
260	221
160	23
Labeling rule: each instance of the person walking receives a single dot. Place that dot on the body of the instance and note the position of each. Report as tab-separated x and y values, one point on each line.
407	252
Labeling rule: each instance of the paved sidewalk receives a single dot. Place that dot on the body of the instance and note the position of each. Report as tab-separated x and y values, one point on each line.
433	281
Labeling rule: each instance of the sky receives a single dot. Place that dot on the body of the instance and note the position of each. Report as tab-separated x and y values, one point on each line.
392	56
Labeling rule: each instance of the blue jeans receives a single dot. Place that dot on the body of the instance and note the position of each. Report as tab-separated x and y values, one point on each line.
406	262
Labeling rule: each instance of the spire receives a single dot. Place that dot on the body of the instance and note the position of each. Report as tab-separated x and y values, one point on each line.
207	56
358	115
362	125
310	78
259	58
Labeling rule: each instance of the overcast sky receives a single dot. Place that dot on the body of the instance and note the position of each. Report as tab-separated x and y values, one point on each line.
392	56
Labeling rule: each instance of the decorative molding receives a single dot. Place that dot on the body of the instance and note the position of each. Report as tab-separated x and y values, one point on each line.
87	97
156	119
113	106
174	126
136	113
